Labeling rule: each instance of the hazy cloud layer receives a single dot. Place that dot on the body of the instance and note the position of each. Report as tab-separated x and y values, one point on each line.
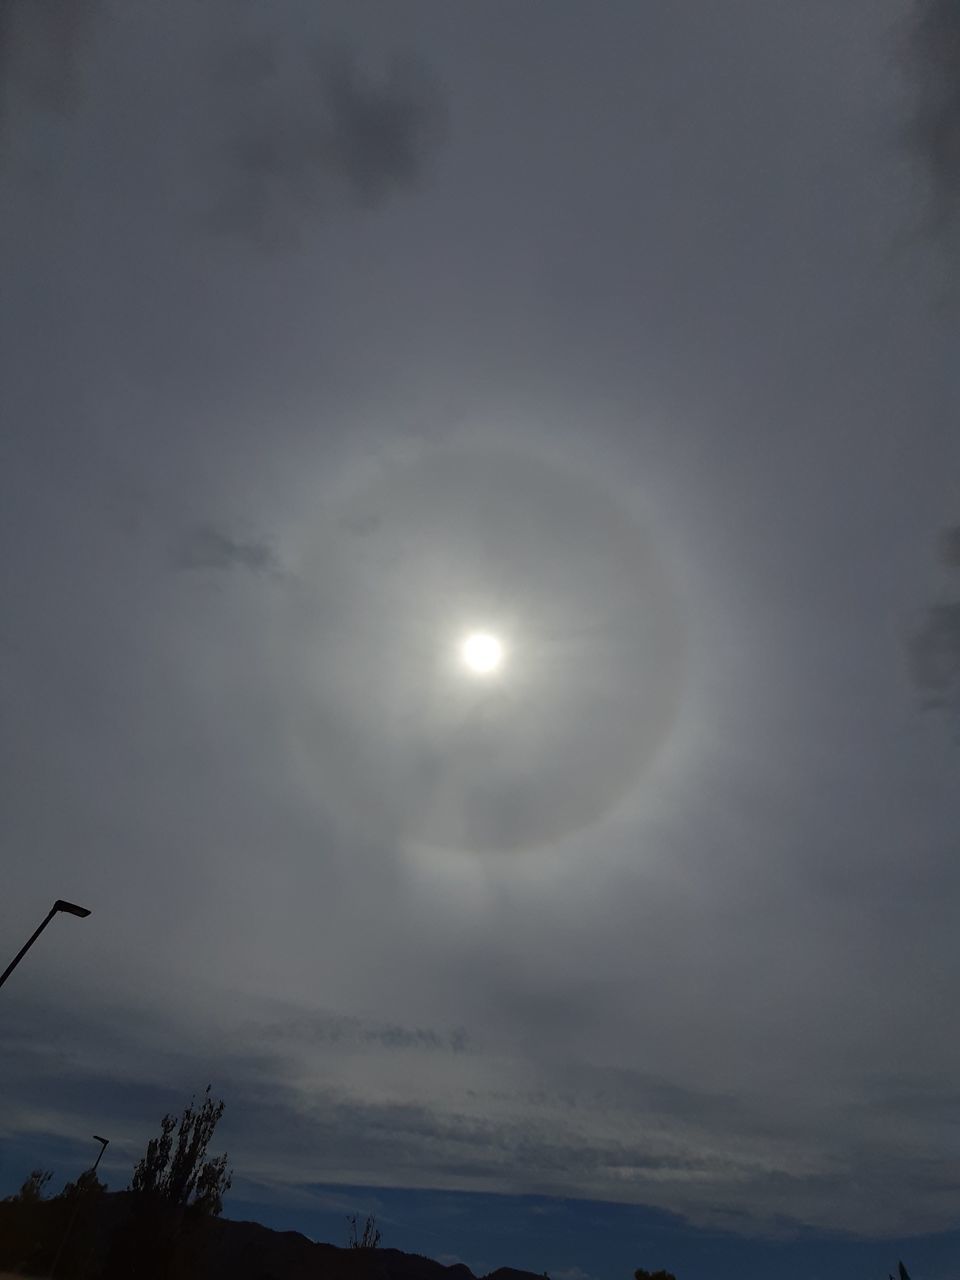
303	1110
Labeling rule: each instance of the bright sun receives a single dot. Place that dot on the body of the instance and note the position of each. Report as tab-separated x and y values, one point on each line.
481	652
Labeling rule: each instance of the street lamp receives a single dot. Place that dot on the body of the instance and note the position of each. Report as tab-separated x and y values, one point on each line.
70	908
104	1142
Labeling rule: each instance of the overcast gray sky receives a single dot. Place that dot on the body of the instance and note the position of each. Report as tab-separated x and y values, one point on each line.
330	332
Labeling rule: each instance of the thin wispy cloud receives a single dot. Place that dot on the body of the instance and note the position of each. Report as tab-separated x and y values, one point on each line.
344	1030
206	546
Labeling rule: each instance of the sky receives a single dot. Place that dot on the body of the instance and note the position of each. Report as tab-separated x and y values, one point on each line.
627	334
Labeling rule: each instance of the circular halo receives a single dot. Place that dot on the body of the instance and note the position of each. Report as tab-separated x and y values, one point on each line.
402	736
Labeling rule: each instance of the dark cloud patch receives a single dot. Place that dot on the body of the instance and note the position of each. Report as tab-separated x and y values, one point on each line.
342	1029
934	128
376	131
935	649
207	547
41	50
301	139
936	655
278	135
398	1037
950	547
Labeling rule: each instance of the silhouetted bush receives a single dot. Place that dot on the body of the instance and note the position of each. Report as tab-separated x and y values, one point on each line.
182	1175
88	1184
32	1190
176	1189
368	1238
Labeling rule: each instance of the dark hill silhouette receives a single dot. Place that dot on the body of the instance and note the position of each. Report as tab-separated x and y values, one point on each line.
124	1234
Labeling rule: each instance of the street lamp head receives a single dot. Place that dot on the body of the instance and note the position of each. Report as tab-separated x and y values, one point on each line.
71	908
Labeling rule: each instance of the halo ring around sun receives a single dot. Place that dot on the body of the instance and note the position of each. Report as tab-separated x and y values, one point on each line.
501	656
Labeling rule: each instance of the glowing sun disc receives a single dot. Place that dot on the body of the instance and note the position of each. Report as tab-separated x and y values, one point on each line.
481	652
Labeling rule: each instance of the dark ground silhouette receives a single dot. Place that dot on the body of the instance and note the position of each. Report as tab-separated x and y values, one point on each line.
126	1234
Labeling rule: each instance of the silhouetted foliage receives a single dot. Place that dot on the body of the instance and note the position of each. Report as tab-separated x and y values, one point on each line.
180	1173
902	1272
151	1169
81	1202
368	1238
87	1184
640	1274
32	1189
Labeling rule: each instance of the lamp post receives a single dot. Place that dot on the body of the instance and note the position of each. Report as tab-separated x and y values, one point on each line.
104	1143
70	908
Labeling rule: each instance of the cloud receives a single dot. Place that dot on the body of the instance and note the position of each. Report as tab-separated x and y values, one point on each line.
300	1114
287	1135
275	136
228	775
950	547
342	1029
300	139
934	127
936	655
41	48
530	549
935	649
207	547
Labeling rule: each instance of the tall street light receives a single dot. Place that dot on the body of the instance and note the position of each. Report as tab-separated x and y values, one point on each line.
70	908
104	1142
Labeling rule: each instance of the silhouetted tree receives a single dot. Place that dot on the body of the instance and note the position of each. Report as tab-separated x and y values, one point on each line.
32	1189
180	1172
88	1184
178	1188
653	1275
902	1272
368	1238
